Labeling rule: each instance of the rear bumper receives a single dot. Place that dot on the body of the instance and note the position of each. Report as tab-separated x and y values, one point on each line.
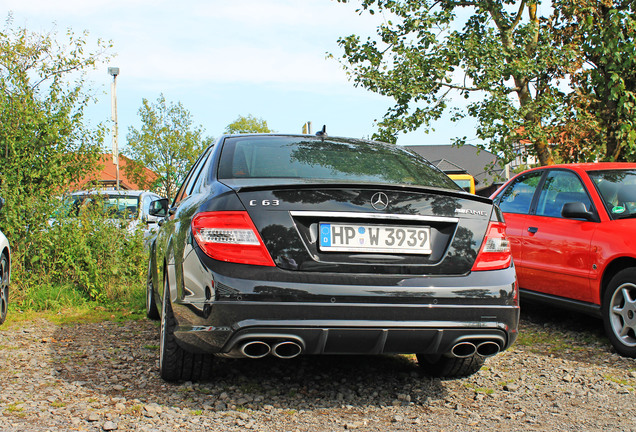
418	315
349	336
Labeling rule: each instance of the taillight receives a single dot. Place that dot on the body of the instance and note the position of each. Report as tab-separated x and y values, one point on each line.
494	253
230	236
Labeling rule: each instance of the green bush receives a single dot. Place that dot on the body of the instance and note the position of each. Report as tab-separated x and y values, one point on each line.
80	259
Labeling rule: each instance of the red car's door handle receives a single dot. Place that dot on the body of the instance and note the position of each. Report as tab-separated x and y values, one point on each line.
533	230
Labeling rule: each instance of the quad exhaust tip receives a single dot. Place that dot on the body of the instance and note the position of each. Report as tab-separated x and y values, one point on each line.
255	349
467	349
464	349
488	349
287	349
258	349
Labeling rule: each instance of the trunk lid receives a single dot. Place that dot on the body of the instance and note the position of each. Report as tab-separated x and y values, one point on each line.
369	228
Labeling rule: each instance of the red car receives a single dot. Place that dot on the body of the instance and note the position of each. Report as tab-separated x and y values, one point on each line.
572	231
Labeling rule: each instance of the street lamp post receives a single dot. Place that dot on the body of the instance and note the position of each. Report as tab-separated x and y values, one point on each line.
114	71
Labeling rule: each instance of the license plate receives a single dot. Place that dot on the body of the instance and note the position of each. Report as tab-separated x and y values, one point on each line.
375	238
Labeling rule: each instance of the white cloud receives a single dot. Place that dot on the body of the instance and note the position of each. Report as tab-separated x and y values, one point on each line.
222	58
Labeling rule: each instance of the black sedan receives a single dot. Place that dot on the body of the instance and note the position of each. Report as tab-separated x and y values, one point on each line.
285	245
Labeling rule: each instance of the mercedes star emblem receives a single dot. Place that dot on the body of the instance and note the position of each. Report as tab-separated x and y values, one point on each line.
379	201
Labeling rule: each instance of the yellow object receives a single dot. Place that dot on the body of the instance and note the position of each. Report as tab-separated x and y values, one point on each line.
464	181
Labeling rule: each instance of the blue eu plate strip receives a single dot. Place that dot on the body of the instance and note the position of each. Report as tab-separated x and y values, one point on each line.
325	235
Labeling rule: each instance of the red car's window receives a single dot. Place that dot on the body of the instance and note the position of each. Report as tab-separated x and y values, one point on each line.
617	189
560	187
518	197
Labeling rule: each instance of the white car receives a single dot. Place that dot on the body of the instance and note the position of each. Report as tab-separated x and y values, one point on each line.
132	205
5	273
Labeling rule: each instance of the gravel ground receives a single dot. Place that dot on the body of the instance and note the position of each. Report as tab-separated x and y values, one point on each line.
560	376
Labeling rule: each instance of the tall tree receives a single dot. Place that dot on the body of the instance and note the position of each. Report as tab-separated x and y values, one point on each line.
168	143
500	56
602	121
45	144
249	124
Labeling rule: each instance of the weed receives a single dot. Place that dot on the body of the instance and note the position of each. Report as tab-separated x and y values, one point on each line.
15	407
135	410
479	389
616	380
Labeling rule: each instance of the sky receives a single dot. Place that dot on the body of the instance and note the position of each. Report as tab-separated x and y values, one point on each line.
222	59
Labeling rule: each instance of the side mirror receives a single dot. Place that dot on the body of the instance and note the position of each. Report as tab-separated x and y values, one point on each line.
159	208
577	210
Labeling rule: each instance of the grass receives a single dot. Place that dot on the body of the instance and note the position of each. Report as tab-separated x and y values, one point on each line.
53	297
552	342
621	381
66	304
15	407
60	297
476	389
86	313
135	410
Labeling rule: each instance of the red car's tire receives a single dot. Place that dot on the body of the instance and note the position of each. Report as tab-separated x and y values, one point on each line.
619	312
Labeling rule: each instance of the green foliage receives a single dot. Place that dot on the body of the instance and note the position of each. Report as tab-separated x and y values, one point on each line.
507	60
45	144
602	119
168	143
82	259
249	124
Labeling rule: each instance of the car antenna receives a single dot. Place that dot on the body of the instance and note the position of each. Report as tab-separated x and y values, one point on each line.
323	132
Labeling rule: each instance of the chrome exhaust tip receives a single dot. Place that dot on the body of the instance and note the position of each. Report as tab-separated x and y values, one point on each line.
255	349
464	349
488	349
287	349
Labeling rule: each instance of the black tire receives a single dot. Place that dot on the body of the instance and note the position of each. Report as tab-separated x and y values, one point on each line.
175	363
4	287
619	312
450	367
151	305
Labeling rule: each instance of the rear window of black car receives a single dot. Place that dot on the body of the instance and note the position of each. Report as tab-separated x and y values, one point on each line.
331	159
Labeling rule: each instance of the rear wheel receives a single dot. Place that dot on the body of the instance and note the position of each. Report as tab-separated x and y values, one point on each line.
151	305
175	363
4	287
450	367
619	312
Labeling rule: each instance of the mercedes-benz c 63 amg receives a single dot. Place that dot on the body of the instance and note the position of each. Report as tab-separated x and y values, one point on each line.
290	245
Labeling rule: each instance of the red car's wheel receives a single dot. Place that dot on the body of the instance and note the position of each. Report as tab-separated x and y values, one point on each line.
619	312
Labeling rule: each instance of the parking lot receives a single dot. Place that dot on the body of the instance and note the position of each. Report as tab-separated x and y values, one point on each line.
560	375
